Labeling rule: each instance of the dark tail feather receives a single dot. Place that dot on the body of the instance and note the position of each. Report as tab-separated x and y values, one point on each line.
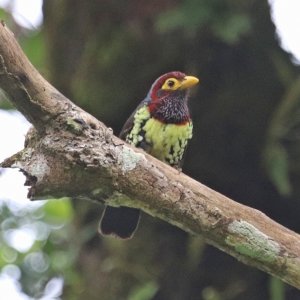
121	222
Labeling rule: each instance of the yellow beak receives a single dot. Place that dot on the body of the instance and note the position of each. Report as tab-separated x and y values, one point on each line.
188	82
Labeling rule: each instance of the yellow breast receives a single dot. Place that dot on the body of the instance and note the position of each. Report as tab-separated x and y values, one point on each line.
167	142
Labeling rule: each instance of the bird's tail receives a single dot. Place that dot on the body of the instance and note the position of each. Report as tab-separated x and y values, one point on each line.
120	222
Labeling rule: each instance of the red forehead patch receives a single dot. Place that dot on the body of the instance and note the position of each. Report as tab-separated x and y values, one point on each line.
158	83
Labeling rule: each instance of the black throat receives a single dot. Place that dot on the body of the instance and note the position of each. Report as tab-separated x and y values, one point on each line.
172	109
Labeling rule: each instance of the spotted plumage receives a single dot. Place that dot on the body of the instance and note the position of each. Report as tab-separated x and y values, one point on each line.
161	125
167	142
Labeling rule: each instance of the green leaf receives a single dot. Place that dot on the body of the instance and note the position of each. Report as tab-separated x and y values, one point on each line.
232	28
4	15
277	288
59	210
144	292
33	45
276	160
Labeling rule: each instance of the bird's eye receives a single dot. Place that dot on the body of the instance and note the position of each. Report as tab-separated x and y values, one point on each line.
170	83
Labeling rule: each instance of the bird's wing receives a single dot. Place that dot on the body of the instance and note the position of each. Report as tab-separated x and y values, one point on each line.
129	123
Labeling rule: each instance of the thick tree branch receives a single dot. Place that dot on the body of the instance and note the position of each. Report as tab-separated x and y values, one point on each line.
70	153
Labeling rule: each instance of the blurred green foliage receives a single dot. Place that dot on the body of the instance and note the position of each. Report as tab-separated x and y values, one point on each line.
4	15
277	289
144	292
4	103
229	23
45	252
282	151
33	45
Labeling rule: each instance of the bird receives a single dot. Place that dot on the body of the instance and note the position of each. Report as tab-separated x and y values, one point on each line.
162	126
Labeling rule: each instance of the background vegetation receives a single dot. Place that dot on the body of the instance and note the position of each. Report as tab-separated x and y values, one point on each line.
104	55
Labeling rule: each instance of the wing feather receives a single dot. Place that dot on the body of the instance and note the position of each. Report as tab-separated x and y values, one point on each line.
127	127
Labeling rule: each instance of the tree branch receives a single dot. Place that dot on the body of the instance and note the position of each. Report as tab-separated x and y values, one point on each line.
70	153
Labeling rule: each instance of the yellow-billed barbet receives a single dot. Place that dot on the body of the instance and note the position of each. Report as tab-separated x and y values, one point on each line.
162	126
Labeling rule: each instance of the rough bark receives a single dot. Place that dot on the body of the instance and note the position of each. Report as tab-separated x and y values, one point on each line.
70	153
